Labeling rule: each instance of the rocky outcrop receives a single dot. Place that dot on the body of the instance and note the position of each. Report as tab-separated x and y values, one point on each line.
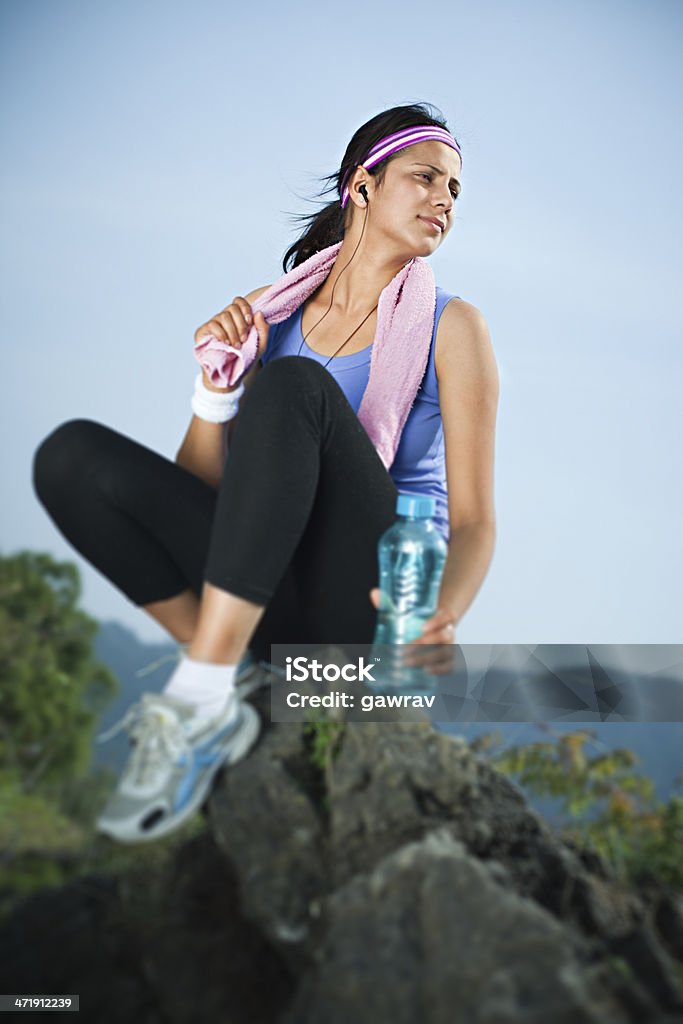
404	879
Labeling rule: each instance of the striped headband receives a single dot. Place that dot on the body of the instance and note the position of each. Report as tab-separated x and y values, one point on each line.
392	143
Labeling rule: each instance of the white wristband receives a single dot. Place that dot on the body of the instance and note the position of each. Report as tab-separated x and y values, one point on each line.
215	406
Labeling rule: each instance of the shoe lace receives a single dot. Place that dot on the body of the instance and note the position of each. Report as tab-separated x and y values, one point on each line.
158	743
152	666
156	740
129	721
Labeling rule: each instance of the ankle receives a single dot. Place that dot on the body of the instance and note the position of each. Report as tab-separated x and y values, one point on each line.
208	652
207	688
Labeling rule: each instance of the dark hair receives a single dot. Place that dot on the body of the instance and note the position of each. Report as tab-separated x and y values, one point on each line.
328	225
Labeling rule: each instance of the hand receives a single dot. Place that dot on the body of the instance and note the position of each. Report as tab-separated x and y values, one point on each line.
232	325
439	630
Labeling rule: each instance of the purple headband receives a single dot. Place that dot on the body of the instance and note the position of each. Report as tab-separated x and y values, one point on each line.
392	143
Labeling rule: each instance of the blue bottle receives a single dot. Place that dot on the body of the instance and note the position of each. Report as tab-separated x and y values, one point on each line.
411	556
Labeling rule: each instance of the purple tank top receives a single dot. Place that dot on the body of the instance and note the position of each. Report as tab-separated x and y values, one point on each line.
419	466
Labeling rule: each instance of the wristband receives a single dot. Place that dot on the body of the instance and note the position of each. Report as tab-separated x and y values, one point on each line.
212	406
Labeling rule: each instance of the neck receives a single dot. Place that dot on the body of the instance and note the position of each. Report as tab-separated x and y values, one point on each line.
359	286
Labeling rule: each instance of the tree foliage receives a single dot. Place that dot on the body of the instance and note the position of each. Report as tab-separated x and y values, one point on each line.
609	807
51	685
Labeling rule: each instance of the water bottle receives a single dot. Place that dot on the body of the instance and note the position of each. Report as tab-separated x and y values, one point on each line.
411	555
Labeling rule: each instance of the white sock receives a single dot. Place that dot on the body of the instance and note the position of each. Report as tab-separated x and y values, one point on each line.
207	688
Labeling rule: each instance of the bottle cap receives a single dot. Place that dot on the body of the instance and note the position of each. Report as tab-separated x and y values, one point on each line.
420	506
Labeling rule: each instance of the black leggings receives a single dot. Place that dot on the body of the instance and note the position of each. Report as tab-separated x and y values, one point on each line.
293	526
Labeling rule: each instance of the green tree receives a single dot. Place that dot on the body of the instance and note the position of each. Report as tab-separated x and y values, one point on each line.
608	806
51	685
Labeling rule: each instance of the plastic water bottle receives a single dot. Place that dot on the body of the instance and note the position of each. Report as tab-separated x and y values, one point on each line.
411	556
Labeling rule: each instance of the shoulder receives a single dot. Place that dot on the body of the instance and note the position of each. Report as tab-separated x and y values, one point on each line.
461	318
463	346
257	292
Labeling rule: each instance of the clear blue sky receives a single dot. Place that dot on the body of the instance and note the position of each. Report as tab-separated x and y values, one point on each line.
152	152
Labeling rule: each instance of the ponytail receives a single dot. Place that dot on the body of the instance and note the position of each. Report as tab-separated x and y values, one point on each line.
324	229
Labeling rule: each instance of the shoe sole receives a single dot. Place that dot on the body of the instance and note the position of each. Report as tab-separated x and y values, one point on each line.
242	744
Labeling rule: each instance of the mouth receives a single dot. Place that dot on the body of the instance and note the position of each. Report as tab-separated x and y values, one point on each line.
434	223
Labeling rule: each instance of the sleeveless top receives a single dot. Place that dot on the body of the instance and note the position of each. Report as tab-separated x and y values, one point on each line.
420	465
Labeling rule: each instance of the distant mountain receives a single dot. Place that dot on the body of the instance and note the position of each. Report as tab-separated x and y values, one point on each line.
659	746
126	655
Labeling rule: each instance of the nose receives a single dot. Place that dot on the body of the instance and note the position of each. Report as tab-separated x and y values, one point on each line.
446	200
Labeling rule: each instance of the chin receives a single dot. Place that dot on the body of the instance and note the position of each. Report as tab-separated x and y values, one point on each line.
427	248
424	246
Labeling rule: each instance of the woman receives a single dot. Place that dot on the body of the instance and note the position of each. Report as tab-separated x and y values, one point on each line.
277	543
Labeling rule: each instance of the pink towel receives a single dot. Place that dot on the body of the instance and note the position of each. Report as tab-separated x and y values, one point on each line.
405	321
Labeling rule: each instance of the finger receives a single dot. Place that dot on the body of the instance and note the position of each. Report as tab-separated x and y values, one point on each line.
432	651
231	328
438	630
244	308
437	621
438	660
375	596
213	327
444	629
433	668
429	635
262	326
260	323
242	316
441	637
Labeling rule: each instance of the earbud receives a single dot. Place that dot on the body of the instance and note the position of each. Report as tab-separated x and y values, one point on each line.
364	192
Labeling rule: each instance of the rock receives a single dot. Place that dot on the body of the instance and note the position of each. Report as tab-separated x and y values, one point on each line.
169	950
406	879
668	919
428	935
266	823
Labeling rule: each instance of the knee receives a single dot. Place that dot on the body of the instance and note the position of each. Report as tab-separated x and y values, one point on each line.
295	382
59	459
295	370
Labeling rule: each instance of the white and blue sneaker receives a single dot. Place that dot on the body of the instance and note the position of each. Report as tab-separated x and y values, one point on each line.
172	764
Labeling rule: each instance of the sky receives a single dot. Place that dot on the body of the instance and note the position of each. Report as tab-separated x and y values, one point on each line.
153	153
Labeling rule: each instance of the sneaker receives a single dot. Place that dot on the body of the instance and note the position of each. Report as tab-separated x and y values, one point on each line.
172	764
250	678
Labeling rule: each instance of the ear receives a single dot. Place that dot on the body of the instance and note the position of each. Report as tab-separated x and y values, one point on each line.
360	177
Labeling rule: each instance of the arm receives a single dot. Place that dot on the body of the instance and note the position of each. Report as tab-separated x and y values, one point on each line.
468	389
205	446
468	398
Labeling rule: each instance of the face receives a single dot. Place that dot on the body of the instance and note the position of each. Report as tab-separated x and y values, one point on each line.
420	185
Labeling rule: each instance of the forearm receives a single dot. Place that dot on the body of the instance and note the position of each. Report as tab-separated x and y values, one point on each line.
205	446
470	550
203	450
